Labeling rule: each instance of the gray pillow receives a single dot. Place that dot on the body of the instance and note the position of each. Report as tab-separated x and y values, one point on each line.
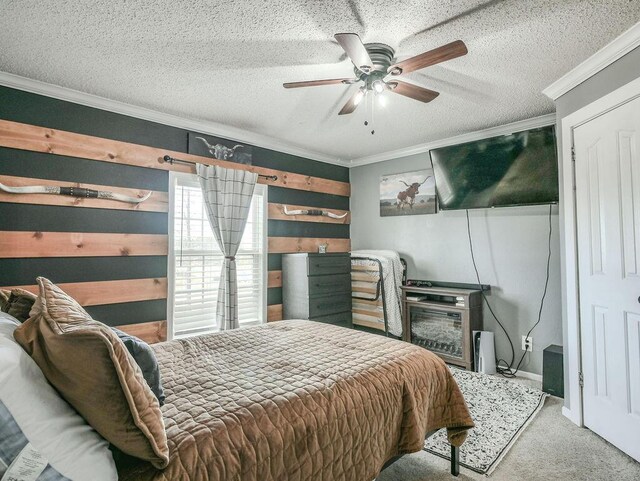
17	303
146	360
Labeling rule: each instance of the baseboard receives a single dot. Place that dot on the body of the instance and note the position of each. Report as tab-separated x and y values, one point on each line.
572	416
530	375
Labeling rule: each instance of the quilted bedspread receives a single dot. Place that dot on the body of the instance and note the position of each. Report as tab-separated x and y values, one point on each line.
299	401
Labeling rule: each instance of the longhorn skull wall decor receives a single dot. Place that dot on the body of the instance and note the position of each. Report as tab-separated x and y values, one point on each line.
220	151
74	192
317	212
218	148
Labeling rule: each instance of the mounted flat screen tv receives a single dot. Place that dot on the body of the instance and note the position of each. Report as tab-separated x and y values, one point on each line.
510	170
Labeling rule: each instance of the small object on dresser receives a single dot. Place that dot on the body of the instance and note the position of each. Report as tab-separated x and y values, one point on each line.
322	248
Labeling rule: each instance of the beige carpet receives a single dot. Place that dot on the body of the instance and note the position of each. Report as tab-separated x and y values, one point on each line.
551	448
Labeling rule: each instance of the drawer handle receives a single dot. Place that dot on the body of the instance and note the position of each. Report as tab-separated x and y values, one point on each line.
332	284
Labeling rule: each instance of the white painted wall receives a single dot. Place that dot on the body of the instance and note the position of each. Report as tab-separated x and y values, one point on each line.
510	246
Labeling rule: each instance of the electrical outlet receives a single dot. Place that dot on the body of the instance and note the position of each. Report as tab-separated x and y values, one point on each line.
527	343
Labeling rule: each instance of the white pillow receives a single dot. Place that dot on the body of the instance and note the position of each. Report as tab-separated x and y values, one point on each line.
32	411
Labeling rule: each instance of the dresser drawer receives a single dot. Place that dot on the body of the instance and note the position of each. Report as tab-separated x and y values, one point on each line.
322	265
342	319
323	285
332	304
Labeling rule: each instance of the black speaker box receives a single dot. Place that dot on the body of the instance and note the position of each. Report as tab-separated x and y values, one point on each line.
552	371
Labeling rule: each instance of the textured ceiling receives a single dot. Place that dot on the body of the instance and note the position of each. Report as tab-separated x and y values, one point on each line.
225	60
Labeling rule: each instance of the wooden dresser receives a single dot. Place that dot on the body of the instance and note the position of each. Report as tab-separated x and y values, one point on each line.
317	287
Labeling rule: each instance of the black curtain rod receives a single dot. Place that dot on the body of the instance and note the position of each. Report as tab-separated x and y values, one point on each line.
171	160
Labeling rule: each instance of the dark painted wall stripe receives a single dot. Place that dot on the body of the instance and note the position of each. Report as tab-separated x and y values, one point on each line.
286	228
299	165
23	163
130	312
274	262
274	296
20	272
29	108
46	218
282	195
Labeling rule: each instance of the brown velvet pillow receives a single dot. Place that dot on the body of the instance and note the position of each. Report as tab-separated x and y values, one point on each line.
92	369
17	303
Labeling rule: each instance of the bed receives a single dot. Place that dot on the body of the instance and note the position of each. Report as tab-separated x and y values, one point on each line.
376	277
298	400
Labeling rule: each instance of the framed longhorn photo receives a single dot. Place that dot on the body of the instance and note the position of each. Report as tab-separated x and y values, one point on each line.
217	148
411	193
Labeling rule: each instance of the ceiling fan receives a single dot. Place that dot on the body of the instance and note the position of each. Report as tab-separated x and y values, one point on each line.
375	67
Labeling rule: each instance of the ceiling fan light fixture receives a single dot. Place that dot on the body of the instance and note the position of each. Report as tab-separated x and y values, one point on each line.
379	86
373	63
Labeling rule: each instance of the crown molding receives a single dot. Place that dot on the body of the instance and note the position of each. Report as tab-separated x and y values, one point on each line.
211	128
506	129
604	57
241	135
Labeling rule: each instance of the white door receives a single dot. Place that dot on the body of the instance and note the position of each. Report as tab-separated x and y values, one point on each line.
607	167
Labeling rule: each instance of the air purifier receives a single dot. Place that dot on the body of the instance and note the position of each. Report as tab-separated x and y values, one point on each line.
484	353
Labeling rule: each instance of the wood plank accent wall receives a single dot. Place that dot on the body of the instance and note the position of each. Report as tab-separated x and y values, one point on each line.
110	255
77	244
39	139
281	245
275	279
110	292
274	312
149	331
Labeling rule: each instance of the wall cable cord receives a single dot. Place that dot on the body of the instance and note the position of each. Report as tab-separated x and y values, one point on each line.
505	371
544	292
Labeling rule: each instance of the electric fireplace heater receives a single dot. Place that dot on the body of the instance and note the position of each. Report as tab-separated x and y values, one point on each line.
442	320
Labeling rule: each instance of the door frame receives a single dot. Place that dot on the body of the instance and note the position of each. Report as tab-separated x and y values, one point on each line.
568	238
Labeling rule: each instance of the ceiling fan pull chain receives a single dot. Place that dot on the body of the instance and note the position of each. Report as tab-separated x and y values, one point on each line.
373	114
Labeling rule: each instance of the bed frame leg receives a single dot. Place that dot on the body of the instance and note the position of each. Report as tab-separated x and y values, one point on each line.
455	460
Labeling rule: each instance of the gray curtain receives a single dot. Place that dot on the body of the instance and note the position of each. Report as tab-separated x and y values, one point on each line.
227	195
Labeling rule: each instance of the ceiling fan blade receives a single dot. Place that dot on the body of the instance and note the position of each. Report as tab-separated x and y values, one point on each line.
356	51
314	83
412	91
441	54
352	103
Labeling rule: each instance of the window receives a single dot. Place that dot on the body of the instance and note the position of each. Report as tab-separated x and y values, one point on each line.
195	261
